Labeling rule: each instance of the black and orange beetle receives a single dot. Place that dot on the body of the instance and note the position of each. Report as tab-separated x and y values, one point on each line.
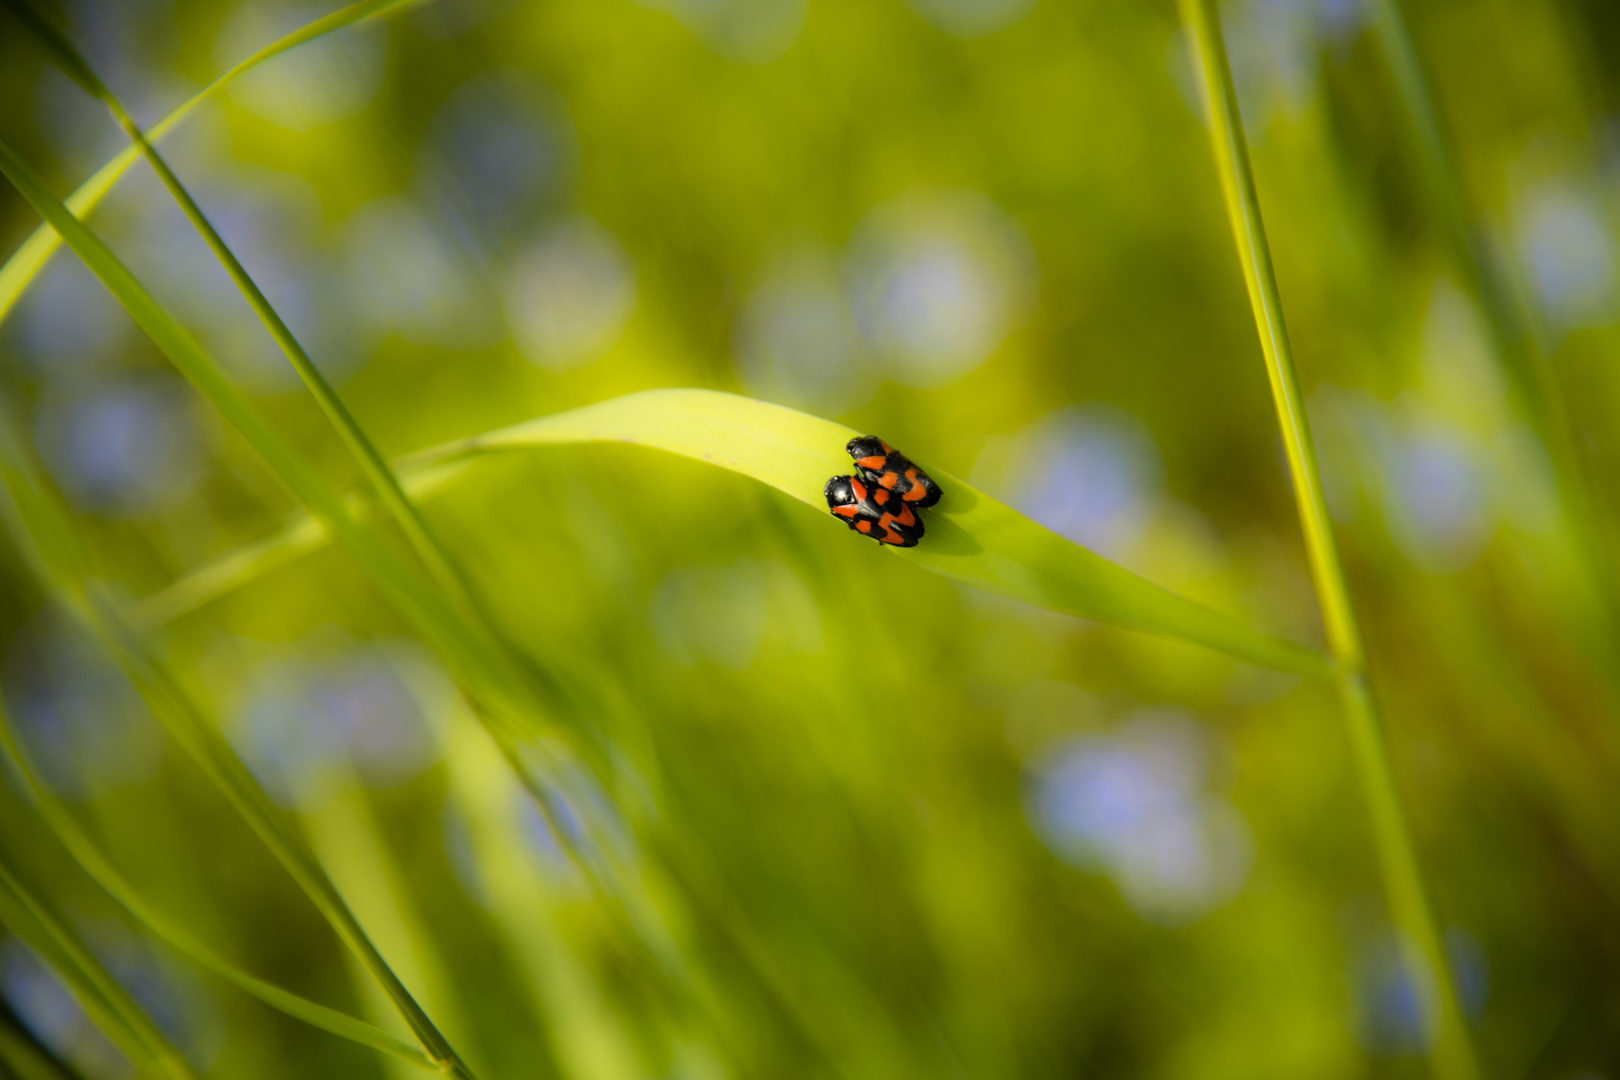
873	511
883	466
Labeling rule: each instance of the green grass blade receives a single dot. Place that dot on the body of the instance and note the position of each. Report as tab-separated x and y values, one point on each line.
1452	1053
62	53
101	869
489	672
971	538
36	519
28	259
240	566
468	653
371	462
26	1059
102	998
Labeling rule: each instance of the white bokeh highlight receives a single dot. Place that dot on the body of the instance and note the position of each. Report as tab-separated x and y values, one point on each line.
794	341
938	280
570	295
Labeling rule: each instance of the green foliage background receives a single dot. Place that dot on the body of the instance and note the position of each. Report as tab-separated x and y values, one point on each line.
794	783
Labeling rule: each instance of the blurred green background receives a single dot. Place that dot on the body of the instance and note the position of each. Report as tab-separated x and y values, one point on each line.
866	823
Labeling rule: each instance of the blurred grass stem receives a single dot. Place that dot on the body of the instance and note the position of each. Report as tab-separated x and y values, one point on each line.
44	532
1509	317
376	470
28	259
1452	1051
23	1055
99	994
59	819
372	465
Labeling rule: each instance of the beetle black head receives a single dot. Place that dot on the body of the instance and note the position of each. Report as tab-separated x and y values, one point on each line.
866	446
840	491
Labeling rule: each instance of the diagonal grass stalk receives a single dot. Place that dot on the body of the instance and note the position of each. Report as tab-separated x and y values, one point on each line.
1452	1051
488	672
25	1057
300	535
59	819
377	471
42	531
372	465
28	259
99	994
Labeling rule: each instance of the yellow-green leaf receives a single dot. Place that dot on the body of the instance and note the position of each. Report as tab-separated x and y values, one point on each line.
971	537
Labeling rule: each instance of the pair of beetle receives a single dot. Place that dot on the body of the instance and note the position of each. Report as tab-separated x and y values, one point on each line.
883	500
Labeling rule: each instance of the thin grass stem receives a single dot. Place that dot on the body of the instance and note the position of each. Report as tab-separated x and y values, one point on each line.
1452	1052
28	259
372	464
451	582
101	996
27	1059
465	650
43	531
100	868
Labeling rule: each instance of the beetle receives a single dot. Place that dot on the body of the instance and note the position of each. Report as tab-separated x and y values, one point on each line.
873	511
883	465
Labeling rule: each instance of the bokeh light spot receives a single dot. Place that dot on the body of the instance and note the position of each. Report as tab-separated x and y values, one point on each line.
939	279
570	295
1135	805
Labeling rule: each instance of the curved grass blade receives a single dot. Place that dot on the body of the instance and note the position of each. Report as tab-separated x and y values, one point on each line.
28	259
101	869
972	538
1452	1052
106	1002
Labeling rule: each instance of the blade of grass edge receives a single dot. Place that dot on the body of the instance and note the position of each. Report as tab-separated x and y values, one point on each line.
1452	1053
972	538
100	868
101	996
32	255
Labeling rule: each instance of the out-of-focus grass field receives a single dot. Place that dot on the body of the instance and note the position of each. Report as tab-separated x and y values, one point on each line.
807	809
